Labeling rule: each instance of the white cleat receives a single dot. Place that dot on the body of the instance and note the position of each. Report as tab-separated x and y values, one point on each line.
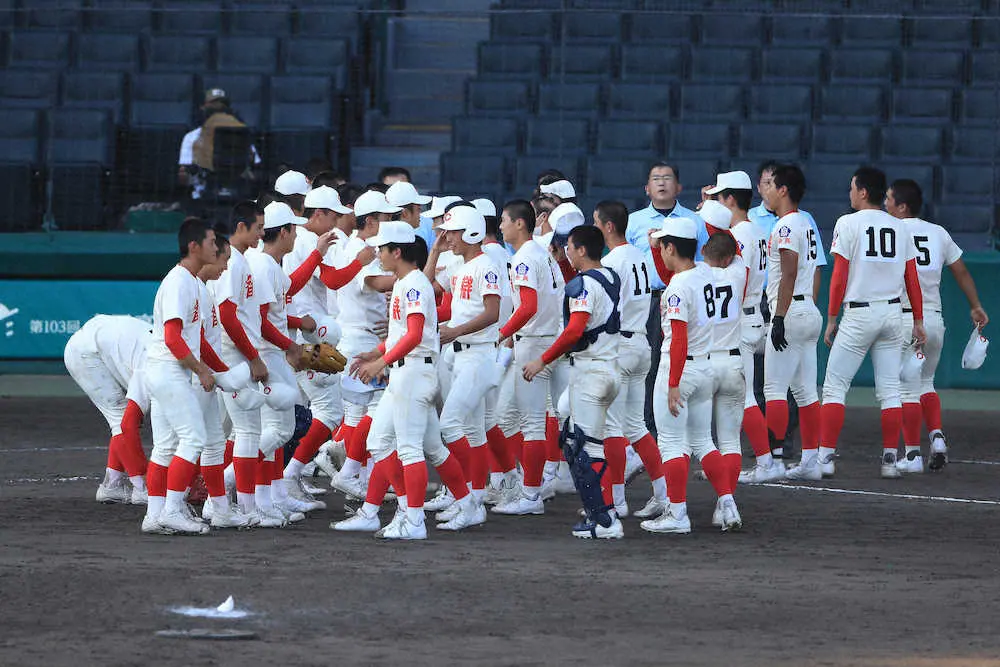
152	526
442	501
309	469
296	491
312	490
397	518
563	480
119	492
232	517
731	519
622	510
325	465
653	508
448	514
908	466
668	523
717	519
353	487
361	522
939	452
523	504
827	466
470	513
548	490
633	465
291	505
809	472
761	475
404	530
586	530
270	518
180	523
889	469
138	496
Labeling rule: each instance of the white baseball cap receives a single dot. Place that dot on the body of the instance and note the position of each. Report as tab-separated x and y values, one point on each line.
565	217
235	379
292	183
280	396
715	214
373	201
325	197
439	204
680	227
562	189
467	219
393	231
731	180
975	350
402	193
486	207
279	214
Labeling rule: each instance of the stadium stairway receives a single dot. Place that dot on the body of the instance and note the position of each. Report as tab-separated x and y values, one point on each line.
433	51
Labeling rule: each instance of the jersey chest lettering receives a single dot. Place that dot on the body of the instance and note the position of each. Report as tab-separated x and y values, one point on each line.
196	314
396	311
248	286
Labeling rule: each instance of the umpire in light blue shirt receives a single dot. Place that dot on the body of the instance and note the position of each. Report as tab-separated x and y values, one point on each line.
662	187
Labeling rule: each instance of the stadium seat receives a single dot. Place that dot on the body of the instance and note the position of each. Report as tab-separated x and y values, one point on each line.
629	137
497	97
161	99
918	144
20	130
37	48
608	176
246	54
301	102
781	141
146	162
775	101
652	63
124	16
932	105
842	142
826	179
711	102
178	53
328	57
792	65
521	26
637	101
551	136
980	106
710	63
968	219
977	182
246	93
796	30
862	65
79	196
19	197
569	99
933	67
727	29
694	173
473	172
513	60
592	27
79	136
95	90
987	31
925	31
826	212
263	19
689	139
920	172
590	62
985	69
330	22
650	27
53	14
852	103
526	170
28	89
296	147
868	31
941	7
974	144
190	17
483	134
107	52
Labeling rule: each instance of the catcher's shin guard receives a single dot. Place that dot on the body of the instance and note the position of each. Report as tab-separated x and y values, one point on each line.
586	479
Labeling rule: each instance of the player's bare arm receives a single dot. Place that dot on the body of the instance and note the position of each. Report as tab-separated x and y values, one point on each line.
968	287
490	315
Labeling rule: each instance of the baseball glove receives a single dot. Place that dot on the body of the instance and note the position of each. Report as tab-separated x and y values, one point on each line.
323	357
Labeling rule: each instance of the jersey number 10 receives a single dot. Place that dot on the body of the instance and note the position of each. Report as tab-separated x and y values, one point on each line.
886	242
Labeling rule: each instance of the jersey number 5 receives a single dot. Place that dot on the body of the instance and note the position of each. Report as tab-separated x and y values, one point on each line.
812	244
924	256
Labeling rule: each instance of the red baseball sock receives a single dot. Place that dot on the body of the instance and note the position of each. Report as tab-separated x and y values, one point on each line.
180	474
676	470
733	463
831	423
717	472
931	403
156	479
310	443
214	477
755	426
264	474
114	461
892	424
395	472
246	473
606	492
378	482
809	423
515	445
129	446
533	462
777	418
911	424
461	449
505	460
278	465
227	458
647	450
553	452
452	476
416	482
357	444
614	452
479	460
492	459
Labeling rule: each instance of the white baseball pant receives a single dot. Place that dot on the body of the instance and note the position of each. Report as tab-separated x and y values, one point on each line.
357	404
94	377
406	420
934	326
625	416
876	327
558	384
246	423
728	398
277	426
445	369
507	416
464	411
593	386
214	452
531	397
323	392
690	432
794	367
177	418
752	337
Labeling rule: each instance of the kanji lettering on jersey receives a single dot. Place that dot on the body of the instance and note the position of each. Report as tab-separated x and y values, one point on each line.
249	286
196	315
215	316
396	315
466	289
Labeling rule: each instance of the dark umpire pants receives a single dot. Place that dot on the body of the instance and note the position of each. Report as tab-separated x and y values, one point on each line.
654	334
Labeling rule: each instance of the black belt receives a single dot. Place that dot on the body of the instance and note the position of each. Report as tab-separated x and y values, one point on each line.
458	347
799	297
402	362
907	310
657	292
707	356
629	334
865	304
751	311
735	352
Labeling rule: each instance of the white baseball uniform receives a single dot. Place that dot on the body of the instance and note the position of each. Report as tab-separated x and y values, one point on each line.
729	389
753	249
214	452
493	406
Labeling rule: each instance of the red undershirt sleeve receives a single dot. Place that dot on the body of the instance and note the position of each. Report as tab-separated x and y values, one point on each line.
661	268
444	308
567	339
913	289
838	284
294	322
409	341
337	278
174	340
271	333
678	350
301	275
524	312
234	329
568	272
209	356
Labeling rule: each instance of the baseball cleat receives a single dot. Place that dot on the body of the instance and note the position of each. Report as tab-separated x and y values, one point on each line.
827	466
232	517
588	530
325	465
138	496
563	480
404	530
470	513
524	504
397	518
349	486
653	508
442	501
761	475
668	523
295	492
731	519
889	470
270	518
448	514
939	452
179	522
309	469
805	472
312	490
361	522
633	465
717	519
909	466
152	526
113	493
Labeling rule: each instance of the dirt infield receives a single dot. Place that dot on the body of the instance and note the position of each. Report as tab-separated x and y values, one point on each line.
815	578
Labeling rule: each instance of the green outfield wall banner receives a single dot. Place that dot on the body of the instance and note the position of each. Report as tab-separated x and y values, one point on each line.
37	317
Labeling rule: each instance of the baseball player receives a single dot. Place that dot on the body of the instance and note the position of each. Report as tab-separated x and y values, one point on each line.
684	381
405	428
171	358
935	250
291	188
106	359
591	335
875	257
534	325
790	358
626	425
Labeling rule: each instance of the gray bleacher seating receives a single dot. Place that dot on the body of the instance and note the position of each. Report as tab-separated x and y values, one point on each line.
640	101
933	67
871	30
931	105
629	137
105	52
969	183
511	60
974	144
653	62
123	16
778	101
497	97
46	49
842	142
591	62
610	176
20	130
271	19
246	93
803	30
248	54
569	99
177	53
697	139
771	140
979	106
19	197
329	57
79	136
651	27
95	90
723	63
301	102
527	168
856	103
862	65
552	136
708	101
927	31
484	134
161	99
189	17
478	172
521	26
695	173
592	27
966	218
985	67
28	89
919	144
726	29
793	65
53	14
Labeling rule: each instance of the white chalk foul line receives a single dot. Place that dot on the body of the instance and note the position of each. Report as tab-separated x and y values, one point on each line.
881	494
57	479
973	462
25	450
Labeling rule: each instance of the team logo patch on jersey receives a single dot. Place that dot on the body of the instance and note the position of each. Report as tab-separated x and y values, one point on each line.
582	298
784	234
413	295
521	269
673	305
492	278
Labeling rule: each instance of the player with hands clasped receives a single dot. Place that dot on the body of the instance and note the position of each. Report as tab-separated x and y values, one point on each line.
684	382
935	250
874	263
